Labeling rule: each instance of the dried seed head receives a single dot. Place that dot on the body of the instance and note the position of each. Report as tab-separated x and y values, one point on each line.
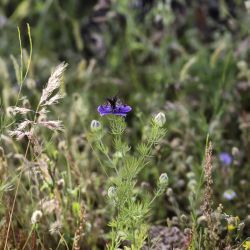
20	134
184	218
18	110
49	206
36	216
53	83
187	231
52	125
23	125
55	227
53	100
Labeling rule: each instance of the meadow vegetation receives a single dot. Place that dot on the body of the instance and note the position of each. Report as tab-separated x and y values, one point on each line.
163	163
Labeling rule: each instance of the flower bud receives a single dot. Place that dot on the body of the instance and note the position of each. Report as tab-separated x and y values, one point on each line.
111	192
95	125
190	175
160	119
163	179
235	151
169	192
36	216
247	5
118	154
188	231
184	218
202	220
192	185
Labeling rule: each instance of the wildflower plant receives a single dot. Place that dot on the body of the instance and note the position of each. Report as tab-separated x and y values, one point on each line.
122	165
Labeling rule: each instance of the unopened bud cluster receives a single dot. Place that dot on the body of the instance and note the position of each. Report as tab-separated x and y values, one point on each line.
112	192
95	125
160	119
163	180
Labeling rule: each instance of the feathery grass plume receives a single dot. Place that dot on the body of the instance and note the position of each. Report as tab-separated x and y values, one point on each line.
206	207
18	110
20	134
54	99
52	125
23	125
53	84
211	237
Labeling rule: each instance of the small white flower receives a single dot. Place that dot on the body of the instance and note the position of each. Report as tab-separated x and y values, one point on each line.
229	194
163	179
95	125
36	216
160	119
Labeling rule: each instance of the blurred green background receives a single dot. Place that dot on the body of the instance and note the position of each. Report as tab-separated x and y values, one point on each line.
189	59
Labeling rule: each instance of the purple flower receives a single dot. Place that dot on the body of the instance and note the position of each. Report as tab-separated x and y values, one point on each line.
225	158
229	194
114	107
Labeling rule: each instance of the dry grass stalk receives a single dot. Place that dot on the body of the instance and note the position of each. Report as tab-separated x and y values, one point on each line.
207	202
79	231
211	237
33	241
53	100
